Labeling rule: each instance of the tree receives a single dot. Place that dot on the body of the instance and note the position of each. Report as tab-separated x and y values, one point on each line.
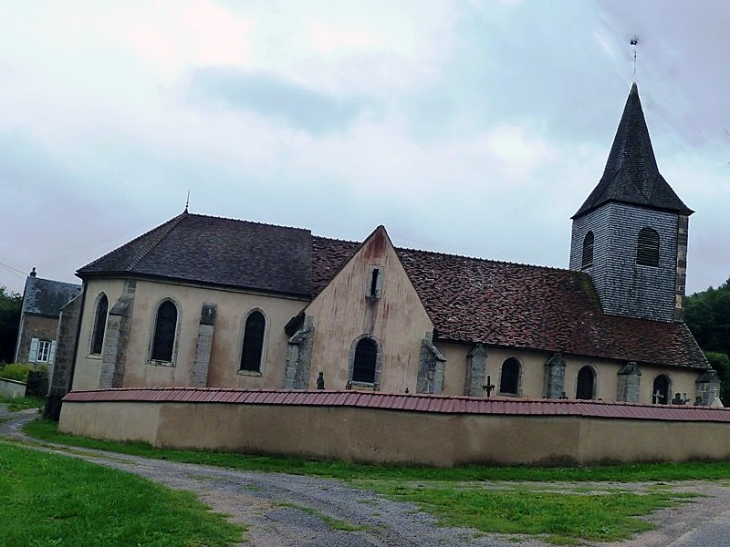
707	314
10	307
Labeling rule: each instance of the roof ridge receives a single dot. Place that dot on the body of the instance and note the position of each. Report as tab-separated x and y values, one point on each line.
244	221
164	232
490	260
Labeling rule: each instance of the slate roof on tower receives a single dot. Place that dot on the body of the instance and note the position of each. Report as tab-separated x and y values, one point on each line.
631	175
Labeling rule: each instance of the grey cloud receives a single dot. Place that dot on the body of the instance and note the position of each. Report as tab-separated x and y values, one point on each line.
264	93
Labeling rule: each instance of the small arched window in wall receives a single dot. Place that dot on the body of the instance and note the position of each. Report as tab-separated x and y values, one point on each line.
163	342
587	259
253	342
647	247
509	382
586	388
97	336
660	391
365	361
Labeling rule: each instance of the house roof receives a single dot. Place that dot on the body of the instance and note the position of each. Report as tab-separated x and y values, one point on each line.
219	251
46	297
631	175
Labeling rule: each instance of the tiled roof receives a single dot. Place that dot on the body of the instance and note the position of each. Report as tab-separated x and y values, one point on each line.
532	307
215	250
46	297
328	255
469	300
631	174
436	404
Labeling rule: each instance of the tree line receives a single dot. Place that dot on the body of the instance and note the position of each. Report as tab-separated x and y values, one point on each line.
707	314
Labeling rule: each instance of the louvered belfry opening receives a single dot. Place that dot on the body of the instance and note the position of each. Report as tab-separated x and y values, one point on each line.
647	247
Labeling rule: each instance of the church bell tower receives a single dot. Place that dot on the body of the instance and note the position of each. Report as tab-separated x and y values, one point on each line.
630	235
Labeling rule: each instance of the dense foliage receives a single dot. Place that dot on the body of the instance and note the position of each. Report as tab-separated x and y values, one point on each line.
10	305
707	314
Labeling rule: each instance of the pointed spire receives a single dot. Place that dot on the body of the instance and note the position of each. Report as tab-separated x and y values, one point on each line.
631	174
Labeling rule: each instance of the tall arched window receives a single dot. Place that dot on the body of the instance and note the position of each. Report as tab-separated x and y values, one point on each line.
647	247
586	388
163	342
97	337
253	342
660	390
587	259
509	381
365	362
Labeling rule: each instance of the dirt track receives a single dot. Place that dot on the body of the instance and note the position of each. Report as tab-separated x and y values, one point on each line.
284	510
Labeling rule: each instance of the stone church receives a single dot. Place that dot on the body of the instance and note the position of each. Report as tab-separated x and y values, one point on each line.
201	301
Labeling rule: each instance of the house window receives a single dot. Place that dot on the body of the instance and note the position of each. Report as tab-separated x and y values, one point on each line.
44	351
375	282
364	364
97	338
647	247
163	342
587	260
253	342
660	392
586	384
509	381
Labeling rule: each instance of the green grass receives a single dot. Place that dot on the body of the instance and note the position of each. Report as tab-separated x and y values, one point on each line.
50	500
558	517
22	403
644	472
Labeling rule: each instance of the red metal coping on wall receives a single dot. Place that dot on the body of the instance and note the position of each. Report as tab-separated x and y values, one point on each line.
438	404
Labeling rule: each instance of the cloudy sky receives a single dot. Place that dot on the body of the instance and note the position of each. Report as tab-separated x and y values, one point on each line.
474	127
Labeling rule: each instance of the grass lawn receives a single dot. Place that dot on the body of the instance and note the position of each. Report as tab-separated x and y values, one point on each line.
50	500
489	499
22	403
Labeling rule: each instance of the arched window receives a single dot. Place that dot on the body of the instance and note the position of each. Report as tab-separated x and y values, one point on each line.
509	381
165	328
647	247
587	259
365	362
253	342
586	388
660	390
97	337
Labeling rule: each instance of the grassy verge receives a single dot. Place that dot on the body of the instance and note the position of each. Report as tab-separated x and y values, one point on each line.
22	403
647	472
560	518
55	500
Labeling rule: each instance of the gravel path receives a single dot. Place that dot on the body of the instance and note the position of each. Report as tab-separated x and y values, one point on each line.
285	510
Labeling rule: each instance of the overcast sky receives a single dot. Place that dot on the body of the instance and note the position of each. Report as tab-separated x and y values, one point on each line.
473	127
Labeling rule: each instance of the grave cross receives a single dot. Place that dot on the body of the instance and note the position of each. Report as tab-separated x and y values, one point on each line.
489	387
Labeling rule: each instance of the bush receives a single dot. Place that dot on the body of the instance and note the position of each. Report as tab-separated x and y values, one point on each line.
15	372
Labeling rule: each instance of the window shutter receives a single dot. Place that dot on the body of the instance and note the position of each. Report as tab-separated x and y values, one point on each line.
52	353
33	355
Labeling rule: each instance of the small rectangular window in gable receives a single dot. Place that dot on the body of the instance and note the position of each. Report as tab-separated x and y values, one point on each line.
375	282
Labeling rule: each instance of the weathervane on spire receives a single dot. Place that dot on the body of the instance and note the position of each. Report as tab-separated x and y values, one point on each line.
187	202
635	40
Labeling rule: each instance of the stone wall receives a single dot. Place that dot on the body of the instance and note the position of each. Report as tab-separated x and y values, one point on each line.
406	429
